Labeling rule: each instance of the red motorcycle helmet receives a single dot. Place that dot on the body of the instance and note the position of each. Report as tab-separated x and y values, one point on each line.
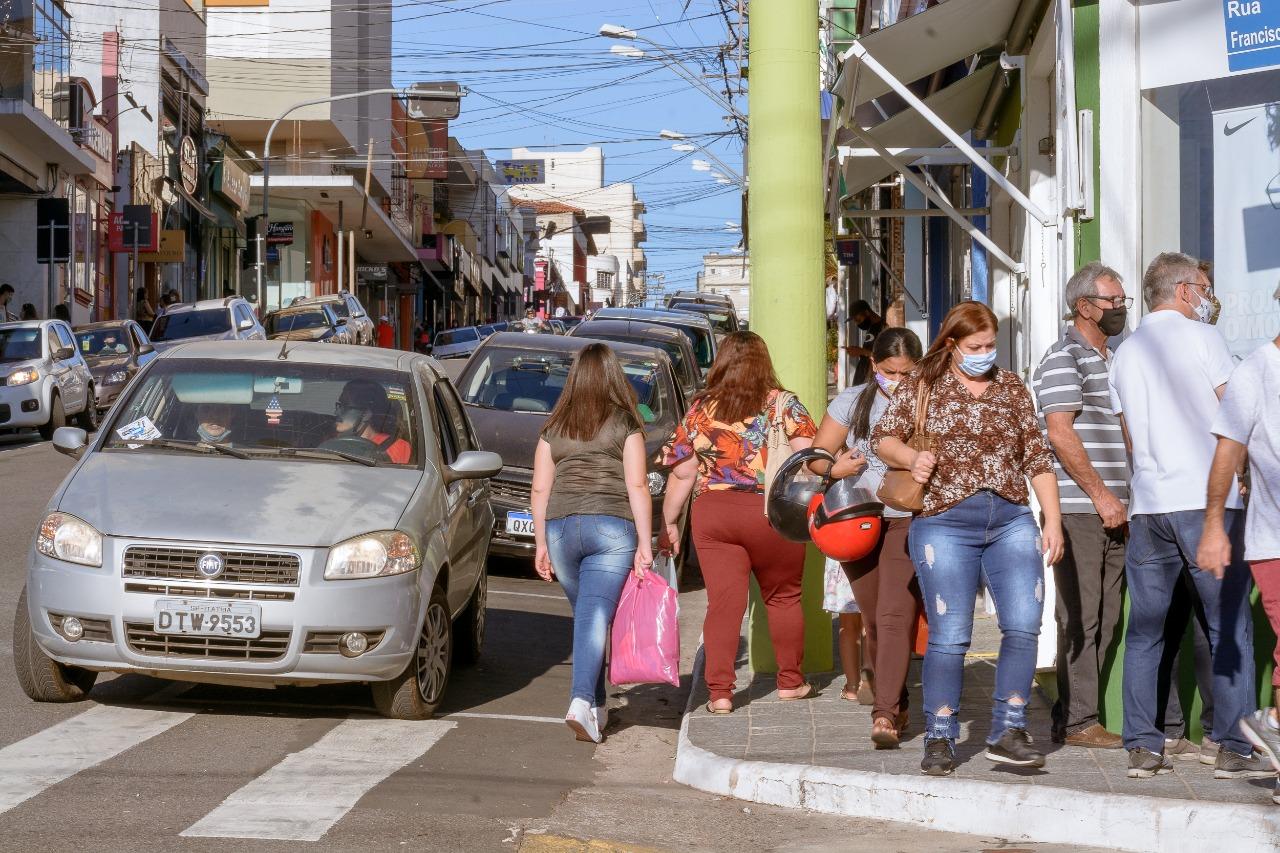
845	521
793	489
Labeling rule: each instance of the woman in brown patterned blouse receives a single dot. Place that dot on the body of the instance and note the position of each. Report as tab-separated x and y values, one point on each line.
976	524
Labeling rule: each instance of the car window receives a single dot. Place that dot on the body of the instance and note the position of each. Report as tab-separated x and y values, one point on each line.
520	381
356	309
461	426
64	336
139	339
243	313
19	344
340	308
102	342
191	324
444	426
457	336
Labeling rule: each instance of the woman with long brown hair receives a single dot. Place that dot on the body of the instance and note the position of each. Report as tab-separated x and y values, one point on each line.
976	524
592	515
719	453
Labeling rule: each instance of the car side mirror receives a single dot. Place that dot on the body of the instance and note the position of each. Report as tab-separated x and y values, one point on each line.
245	324
146	349
342	321
70	441
64	353
473	465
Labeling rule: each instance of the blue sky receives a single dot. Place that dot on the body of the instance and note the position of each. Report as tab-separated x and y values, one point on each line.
540	76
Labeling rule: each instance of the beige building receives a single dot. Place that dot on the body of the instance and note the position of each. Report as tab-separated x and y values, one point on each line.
728	275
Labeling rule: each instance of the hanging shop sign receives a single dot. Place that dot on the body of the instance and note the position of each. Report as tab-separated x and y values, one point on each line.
172	248
371	272
231	181
847	251
189	164
279	233
516	172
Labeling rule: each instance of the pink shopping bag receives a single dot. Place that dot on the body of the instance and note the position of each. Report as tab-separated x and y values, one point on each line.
646	633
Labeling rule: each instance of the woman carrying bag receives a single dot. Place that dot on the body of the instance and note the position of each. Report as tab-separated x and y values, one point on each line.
592	515
884	582
718	453
975	522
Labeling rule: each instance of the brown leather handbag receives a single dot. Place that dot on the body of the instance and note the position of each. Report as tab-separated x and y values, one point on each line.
899	490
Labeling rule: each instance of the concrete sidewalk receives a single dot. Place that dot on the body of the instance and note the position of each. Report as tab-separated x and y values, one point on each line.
817	754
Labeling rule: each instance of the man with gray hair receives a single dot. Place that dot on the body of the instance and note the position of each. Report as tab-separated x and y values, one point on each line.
1166	382
1074	399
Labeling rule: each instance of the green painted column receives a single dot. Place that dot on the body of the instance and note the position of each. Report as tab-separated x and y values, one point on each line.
785	209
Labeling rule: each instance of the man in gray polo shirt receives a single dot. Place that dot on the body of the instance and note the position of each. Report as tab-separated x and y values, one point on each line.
1074	400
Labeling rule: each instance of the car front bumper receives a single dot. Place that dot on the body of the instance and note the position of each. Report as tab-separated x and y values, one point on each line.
300	623
106	394
23	405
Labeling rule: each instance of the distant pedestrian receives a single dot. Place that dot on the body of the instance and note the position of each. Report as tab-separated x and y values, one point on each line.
976	523
1091	463
1248	422
142	310
869	325
592	515
718	454
386	333
884	583
61	312
29	312
1165	384
6	296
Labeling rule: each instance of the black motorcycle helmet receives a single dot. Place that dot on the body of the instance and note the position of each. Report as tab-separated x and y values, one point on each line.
794	486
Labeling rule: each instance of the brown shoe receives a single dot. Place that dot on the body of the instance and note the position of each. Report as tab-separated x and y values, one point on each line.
1095	737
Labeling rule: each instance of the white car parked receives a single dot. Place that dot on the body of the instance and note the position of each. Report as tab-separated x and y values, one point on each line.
45	379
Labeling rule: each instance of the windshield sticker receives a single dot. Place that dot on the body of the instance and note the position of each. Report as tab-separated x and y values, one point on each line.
274	411
396	393
140	430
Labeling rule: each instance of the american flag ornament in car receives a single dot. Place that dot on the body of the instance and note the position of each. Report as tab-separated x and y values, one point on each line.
274	411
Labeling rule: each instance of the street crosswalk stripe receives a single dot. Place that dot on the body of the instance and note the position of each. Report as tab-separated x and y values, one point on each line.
302	797
41	761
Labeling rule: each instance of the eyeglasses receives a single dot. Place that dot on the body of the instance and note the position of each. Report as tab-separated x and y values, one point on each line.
1114	301
1207	289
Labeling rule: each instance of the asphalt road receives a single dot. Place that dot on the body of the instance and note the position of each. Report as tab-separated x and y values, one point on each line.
154	765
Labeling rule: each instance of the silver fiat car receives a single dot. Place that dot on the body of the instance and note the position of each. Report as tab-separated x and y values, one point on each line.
262	514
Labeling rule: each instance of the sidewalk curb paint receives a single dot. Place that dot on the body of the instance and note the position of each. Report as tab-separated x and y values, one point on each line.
1035	813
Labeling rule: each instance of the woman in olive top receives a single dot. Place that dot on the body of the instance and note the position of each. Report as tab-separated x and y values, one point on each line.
592	515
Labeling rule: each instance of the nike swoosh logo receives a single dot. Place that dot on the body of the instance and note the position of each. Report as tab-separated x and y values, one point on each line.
1228	129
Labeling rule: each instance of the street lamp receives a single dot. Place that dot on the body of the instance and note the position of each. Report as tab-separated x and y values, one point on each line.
686	146
701	166
617	31
628	51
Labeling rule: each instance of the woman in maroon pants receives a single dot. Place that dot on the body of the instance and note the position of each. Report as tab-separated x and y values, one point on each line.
718	452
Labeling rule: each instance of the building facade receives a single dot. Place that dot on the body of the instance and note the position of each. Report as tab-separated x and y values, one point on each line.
728	275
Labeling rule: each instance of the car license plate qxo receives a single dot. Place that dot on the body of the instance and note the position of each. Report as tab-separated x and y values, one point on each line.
208	618
520	523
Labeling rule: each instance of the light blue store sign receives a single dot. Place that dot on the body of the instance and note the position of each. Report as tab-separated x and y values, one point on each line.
1253	33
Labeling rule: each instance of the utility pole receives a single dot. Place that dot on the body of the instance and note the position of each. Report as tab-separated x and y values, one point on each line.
786	246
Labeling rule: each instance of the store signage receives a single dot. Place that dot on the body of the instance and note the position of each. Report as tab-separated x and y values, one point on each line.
372	272
428	146
231	181
1253	33
847	251
172	248
136	222
189	165
279	233
515	172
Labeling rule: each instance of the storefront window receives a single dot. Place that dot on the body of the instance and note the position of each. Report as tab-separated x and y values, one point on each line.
1211	161
288	269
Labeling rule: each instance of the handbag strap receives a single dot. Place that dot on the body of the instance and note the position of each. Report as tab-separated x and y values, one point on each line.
923	393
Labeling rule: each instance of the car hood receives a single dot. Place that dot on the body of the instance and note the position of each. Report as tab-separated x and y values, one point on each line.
514	435
161	495
107	363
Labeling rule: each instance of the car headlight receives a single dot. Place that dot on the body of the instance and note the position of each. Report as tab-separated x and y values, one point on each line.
119	377
657	483
22	377
374	555
65	537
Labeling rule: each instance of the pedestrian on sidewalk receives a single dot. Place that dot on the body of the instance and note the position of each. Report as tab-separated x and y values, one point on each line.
838	600
976	523
718	454
1165	385
386	333
884	583
6	296
29	312
1248	422
142	310
1091	463
592	515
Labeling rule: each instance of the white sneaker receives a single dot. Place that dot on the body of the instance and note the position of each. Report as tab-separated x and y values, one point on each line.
583	722
602	717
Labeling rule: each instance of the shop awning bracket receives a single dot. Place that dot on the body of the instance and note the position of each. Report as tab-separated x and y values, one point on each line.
863	56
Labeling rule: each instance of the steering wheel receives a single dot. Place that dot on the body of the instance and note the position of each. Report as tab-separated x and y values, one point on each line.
357	446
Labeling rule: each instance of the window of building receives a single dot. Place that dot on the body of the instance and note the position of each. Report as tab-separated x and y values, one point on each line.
52	58
604	279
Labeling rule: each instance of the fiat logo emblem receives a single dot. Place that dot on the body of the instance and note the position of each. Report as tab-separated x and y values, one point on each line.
210	565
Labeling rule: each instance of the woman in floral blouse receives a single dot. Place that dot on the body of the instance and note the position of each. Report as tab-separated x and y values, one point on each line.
976	523
718	453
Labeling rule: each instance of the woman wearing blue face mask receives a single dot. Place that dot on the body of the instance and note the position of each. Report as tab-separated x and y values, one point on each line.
884	582
976	523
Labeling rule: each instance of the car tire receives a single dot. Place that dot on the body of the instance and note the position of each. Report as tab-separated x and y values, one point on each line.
88	419
468	631
57	418
42	678
416	693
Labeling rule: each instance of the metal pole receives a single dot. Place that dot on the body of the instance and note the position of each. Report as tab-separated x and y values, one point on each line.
786	247
52	295
133	286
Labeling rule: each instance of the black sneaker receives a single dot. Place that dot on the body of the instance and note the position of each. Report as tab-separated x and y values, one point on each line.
1143	763
939	757
1015	747
1233	766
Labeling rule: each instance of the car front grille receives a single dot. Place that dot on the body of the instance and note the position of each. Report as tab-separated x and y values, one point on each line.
95	630
326	642
241	566
210	592
143	639
510	492
4	412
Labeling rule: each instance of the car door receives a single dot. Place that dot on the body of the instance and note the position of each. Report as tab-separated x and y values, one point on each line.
144	353
75	372
476	521
360	321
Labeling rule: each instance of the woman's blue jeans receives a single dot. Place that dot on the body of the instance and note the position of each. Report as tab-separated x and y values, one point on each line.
982	536
591	555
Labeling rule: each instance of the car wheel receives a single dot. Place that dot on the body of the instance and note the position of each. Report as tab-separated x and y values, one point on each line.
469	629
57	418
416	693
88	419
41	678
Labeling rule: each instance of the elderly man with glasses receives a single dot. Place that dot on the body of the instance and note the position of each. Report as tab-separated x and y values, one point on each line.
1074	396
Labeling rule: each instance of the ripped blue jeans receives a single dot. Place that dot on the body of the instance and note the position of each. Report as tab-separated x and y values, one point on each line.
983	536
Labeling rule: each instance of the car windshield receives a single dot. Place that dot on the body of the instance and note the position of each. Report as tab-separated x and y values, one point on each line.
488	329
287	321
673	350
457	336
719	319
520	381
103	342
270	409
191	324
19	344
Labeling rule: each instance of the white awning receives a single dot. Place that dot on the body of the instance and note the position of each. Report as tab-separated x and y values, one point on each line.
385	241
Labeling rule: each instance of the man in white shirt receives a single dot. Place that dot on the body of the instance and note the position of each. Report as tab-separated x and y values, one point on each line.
1165	384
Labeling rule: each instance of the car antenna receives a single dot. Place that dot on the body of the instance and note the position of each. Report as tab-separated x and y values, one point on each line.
284	350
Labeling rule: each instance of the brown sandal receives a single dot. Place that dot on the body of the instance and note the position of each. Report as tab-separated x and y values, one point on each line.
884	734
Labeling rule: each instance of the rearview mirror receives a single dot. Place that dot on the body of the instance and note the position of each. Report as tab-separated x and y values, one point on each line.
473	465
70	441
